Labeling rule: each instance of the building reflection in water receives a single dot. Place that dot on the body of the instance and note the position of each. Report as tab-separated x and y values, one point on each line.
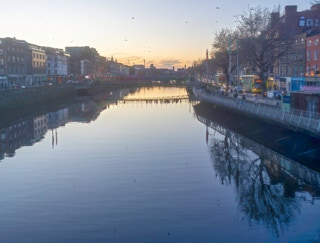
268	184
27	131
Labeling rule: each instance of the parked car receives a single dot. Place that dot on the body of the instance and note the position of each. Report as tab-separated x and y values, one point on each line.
277	95
270	94
274	94
239	89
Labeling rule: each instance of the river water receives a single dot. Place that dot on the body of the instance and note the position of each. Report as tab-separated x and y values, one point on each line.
148	171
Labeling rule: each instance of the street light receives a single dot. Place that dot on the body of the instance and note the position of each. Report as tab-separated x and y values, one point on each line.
229	68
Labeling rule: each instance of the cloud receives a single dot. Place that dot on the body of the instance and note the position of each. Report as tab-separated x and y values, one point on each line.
127	59
158	62
168	63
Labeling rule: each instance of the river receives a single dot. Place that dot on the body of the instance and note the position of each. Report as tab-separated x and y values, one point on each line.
148	171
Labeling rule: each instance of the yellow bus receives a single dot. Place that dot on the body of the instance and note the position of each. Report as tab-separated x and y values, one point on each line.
251	83
271	84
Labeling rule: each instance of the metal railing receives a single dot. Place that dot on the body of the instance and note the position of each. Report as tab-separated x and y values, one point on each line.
293	119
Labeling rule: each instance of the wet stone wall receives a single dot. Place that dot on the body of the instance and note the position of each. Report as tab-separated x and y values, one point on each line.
34	96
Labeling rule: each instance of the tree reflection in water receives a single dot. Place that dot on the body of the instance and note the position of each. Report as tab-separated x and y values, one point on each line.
262	193
265	192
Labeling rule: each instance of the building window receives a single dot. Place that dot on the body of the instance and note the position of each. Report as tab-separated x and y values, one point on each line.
302	21
308	55
316	42
309	22
316	55
309	42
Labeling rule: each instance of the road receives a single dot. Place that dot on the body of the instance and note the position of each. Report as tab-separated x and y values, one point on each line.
257	98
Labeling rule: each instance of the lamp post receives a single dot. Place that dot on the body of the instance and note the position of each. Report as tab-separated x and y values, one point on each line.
229	68
237	50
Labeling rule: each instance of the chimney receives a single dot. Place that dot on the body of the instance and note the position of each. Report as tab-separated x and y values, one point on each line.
315	7
275	18
291	9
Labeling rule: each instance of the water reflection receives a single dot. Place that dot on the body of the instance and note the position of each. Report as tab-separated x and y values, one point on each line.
267	183
30	129
142	171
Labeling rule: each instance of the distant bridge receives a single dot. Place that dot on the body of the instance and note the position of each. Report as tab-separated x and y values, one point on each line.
166	99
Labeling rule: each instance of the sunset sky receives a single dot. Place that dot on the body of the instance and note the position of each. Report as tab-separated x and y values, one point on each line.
164	33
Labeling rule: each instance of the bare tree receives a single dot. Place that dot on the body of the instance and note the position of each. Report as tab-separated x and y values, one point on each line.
260	43
223	50
199	68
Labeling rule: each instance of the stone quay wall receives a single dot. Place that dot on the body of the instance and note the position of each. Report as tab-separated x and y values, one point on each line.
34	96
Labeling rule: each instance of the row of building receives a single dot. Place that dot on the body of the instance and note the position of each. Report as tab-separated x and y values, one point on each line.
302	29
301	32
296	71
299	70
303	60
26	64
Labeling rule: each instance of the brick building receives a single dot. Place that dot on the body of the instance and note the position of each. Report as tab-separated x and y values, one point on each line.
294	22
312	54
13	61
295	27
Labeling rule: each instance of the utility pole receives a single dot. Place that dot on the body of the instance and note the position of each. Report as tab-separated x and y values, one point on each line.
237	49
229	68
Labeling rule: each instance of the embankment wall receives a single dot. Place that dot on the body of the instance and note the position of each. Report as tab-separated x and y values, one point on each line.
34	96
